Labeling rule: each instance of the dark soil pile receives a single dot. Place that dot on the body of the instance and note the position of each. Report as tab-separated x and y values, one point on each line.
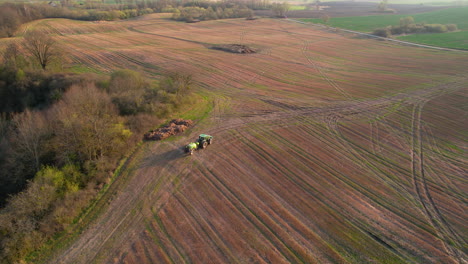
174	127
234	48
193	21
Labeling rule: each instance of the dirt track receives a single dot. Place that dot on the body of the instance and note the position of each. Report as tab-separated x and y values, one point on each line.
328	148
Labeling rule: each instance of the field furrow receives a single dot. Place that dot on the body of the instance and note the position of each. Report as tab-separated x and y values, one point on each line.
327	149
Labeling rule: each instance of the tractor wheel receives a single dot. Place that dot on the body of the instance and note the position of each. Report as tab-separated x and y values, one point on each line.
210	141
204	144
191	152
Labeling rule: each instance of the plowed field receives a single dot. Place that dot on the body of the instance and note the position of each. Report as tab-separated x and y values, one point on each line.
328	148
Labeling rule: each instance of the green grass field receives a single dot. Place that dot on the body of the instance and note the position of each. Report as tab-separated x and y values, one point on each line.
425	2
297	7
458	16
455	40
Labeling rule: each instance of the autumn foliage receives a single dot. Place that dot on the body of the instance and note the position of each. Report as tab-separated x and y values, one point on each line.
59	151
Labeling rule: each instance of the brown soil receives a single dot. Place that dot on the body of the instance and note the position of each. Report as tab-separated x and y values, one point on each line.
174	127
329	149
234	48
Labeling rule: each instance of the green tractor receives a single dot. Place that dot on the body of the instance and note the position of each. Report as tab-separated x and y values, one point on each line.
202	142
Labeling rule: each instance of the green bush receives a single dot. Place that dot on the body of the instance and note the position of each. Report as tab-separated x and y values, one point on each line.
145	11
413	29
396	30
129	91
416	28
435	28
451	27
168	9
46	206
382	32
213	11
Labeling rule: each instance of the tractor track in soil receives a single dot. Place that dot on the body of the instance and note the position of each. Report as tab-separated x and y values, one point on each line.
305	52
333	118
332	114
451	187
143	202
447	235
332	83
433	214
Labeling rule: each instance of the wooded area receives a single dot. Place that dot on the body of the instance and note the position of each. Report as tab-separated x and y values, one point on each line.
62	136
13	15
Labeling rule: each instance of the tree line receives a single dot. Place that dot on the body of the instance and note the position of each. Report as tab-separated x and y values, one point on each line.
13	15
61	137
208	10
197	11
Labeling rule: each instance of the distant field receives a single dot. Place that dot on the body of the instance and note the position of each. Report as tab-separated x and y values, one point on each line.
458	40
369	23
297	7
360	23
456	16
425	2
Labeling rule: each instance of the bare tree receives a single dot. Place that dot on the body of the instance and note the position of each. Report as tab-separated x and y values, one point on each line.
317	5
127	89
406	22
87	126
42	47
383	6
29	133
14	58
280	9
11	54
325	18
178	83
10	20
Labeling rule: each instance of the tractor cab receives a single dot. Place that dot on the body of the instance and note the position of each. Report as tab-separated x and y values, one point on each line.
204	140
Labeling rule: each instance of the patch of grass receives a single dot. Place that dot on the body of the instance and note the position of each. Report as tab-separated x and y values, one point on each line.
452	147
359	23
260	86
200	109
425	2
297	7
457	15
413	2
369	23
429	2
455	40
82	69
